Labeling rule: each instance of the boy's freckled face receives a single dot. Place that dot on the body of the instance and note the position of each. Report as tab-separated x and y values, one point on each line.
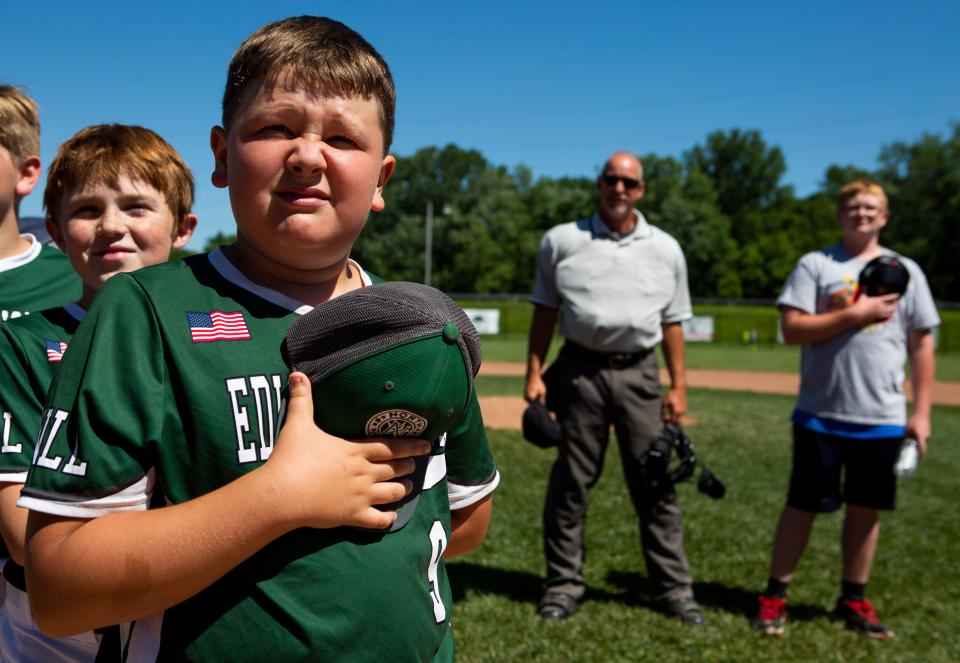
862	214
106	230
304	171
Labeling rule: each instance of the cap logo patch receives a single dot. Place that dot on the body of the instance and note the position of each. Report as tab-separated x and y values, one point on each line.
395	423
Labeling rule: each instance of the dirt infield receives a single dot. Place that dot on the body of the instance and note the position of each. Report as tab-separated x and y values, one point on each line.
505	411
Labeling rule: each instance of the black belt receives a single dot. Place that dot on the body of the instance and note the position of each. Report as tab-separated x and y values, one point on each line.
607	359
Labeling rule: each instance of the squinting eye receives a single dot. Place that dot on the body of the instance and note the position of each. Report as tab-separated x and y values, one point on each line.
85	212
276	129
341	141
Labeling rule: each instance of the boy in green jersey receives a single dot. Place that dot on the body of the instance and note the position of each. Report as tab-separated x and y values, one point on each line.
33	276
117	198
269	545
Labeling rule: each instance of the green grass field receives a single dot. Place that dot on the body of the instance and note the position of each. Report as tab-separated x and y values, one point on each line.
784	358
745	440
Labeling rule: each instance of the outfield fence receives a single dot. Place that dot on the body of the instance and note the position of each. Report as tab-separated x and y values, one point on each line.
733	320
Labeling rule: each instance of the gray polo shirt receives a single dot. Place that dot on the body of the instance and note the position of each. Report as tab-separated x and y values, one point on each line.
614	292
855	377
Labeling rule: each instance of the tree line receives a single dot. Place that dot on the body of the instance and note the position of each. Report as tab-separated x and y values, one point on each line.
742	229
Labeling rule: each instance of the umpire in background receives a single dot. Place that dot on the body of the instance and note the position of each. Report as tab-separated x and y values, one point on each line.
619	287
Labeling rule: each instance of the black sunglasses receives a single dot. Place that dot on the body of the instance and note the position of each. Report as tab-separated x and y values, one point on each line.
628	183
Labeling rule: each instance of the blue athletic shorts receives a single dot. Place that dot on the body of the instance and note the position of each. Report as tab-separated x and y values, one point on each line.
866	467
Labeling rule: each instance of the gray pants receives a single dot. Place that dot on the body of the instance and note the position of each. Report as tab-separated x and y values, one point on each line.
589	397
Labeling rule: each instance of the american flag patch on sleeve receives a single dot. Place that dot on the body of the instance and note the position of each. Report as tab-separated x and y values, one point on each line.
55	350
217	326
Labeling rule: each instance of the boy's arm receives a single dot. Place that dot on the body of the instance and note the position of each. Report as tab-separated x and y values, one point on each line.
468	527
801	328
471	479
922	368
84	574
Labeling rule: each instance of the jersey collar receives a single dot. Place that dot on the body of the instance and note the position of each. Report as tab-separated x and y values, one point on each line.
228	270
24	258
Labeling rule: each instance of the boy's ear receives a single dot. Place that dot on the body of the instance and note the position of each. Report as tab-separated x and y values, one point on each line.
53	229
28	175
386	170
218	144
185	231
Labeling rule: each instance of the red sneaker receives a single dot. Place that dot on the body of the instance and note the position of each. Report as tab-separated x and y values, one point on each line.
860	616
773	611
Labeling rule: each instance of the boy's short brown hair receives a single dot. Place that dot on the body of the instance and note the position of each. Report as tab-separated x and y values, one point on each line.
19	124
312	51
855	187
105	152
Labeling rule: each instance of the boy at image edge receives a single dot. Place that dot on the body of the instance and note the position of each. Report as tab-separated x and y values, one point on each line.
33	276
249	560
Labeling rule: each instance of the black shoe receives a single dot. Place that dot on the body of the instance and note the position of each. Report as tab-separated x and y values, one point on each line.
557	606
686	609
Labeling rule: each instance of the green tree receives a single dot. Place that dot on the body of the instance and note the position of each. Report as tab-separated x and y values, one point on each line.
486	243
746	176
550	202
711	254
662	176
685	205
923	183
393	243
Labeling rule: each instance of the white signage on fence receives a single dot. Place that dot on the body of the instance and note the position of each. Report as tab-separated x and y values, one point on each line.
699	328
486	320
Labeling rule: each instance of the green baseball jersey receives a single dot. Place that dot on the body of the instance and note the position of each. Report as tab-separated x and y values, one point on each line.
38	279
31	348
172	388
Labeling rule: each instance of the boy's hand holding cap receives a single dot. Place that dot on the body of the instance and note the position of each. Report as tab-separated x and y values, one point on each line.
388	360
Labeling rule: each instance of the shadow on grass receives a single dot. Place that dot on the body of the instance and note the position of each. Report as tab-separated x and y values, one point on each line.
525	587
515	585
711	595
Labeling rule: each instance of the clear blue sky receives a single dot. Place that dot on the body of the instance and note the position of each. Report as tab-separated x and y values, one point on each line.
554	85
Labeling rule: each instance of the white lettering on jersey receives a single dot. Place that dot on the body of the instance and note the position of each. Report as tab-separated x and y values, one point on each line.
245	453
259	396
438	543
436	466
8	448
49	426
73	467
265	406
